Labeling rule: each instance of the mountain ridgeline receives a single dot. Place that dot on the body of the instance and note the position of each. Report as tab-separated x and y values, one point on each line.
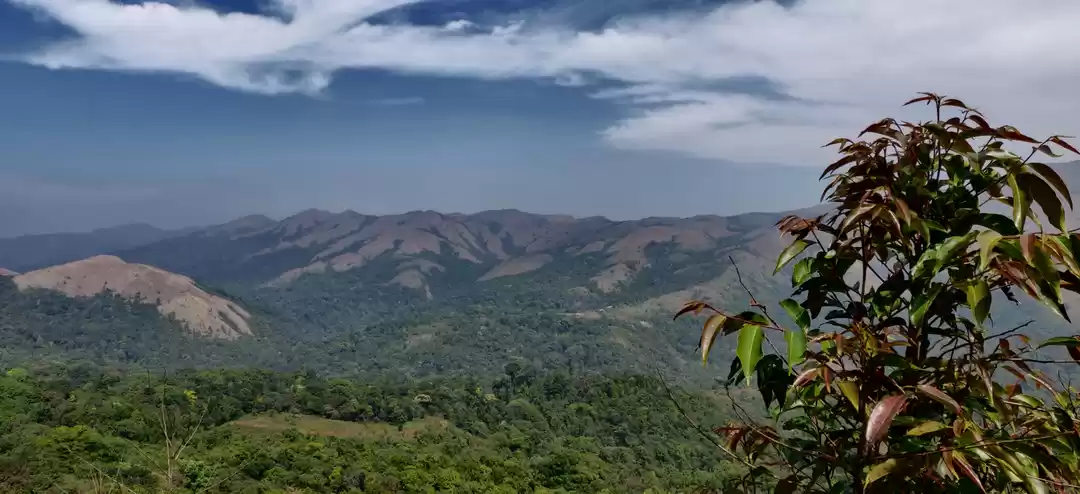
420	293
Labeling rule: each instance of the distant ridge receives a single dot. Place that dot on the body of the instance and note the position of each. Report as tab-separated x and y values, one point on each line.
31	252
424	244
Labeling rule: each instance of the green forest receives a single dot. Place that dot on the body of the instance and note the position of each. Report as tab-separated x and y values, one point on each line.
79	427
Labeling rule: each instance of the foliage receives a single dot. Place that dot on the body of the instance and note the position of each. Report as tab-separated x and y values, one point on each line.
81	428
337	324
894	377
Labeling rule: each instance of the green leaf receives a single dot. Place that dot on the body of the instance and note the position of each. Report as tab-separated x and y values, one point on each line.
926	428
922	303
1046	198
1070	341
797	313
880	470
935	259
1054	179
922	227
850	390
998	223
796	347
986	240
802	271
1021	203
978	295
790	253
749	350
749	316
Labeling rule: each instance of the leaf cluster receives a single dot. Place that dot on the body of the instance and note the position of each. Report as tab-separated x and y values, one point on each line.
894	376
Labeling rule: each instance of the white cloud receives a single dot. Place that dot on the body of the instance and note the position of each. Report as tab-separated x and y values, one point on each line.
459	25
843	62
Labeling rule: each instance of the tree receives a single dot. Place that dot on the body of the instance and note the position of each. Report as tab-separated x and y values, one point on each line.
894	376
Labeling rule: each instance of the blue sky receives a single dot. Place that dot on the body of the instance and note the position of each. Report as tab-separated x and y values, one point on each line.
195	112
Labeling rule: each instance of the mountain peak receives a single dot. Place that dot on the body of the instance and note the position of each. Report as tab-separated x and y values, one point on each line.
176	295
242	225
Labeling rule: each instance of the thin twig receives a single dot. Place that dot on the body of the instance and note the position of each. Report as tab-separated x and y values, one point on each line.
764	310
696	427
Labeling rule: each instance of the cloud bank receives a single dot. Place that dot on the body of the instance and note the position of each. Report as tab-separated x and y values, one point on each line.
836	64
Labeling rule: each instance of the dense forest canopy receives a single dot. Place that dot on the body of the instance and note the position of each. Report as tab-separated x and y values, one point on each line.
81	428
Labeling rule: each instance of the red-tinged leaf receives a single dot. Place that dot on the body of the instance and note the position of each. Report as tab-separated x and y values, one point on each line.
708	335
902	208
836	165
939	396
1041	381
962	463
694	306
1019	375
954	102
806	376
926	97
826	373
735	435
958	427
1074	352
1027	246
1046	197
981	121
1061	142
788	485
1010	133
839	140
1051	176
881	418
875	127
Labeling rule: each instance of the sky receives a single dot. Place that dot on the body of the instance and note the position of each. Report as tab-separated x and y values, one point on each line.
192	112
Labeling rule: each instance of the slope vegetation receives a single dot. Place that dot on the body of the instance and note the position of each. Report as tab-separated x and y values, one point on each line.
174	295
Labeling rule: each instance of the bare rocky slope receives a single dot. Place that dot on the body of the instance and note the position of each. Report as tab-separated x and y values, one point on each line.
425	244
174	295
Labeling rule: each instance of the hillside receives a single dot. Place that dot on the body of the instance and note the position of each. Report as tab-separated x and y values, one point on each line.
416	294
419	293
422	246
173	295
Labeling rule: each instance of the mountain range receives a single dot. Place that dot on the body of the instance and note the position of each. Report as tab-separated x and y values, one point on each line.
418	283
417	293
